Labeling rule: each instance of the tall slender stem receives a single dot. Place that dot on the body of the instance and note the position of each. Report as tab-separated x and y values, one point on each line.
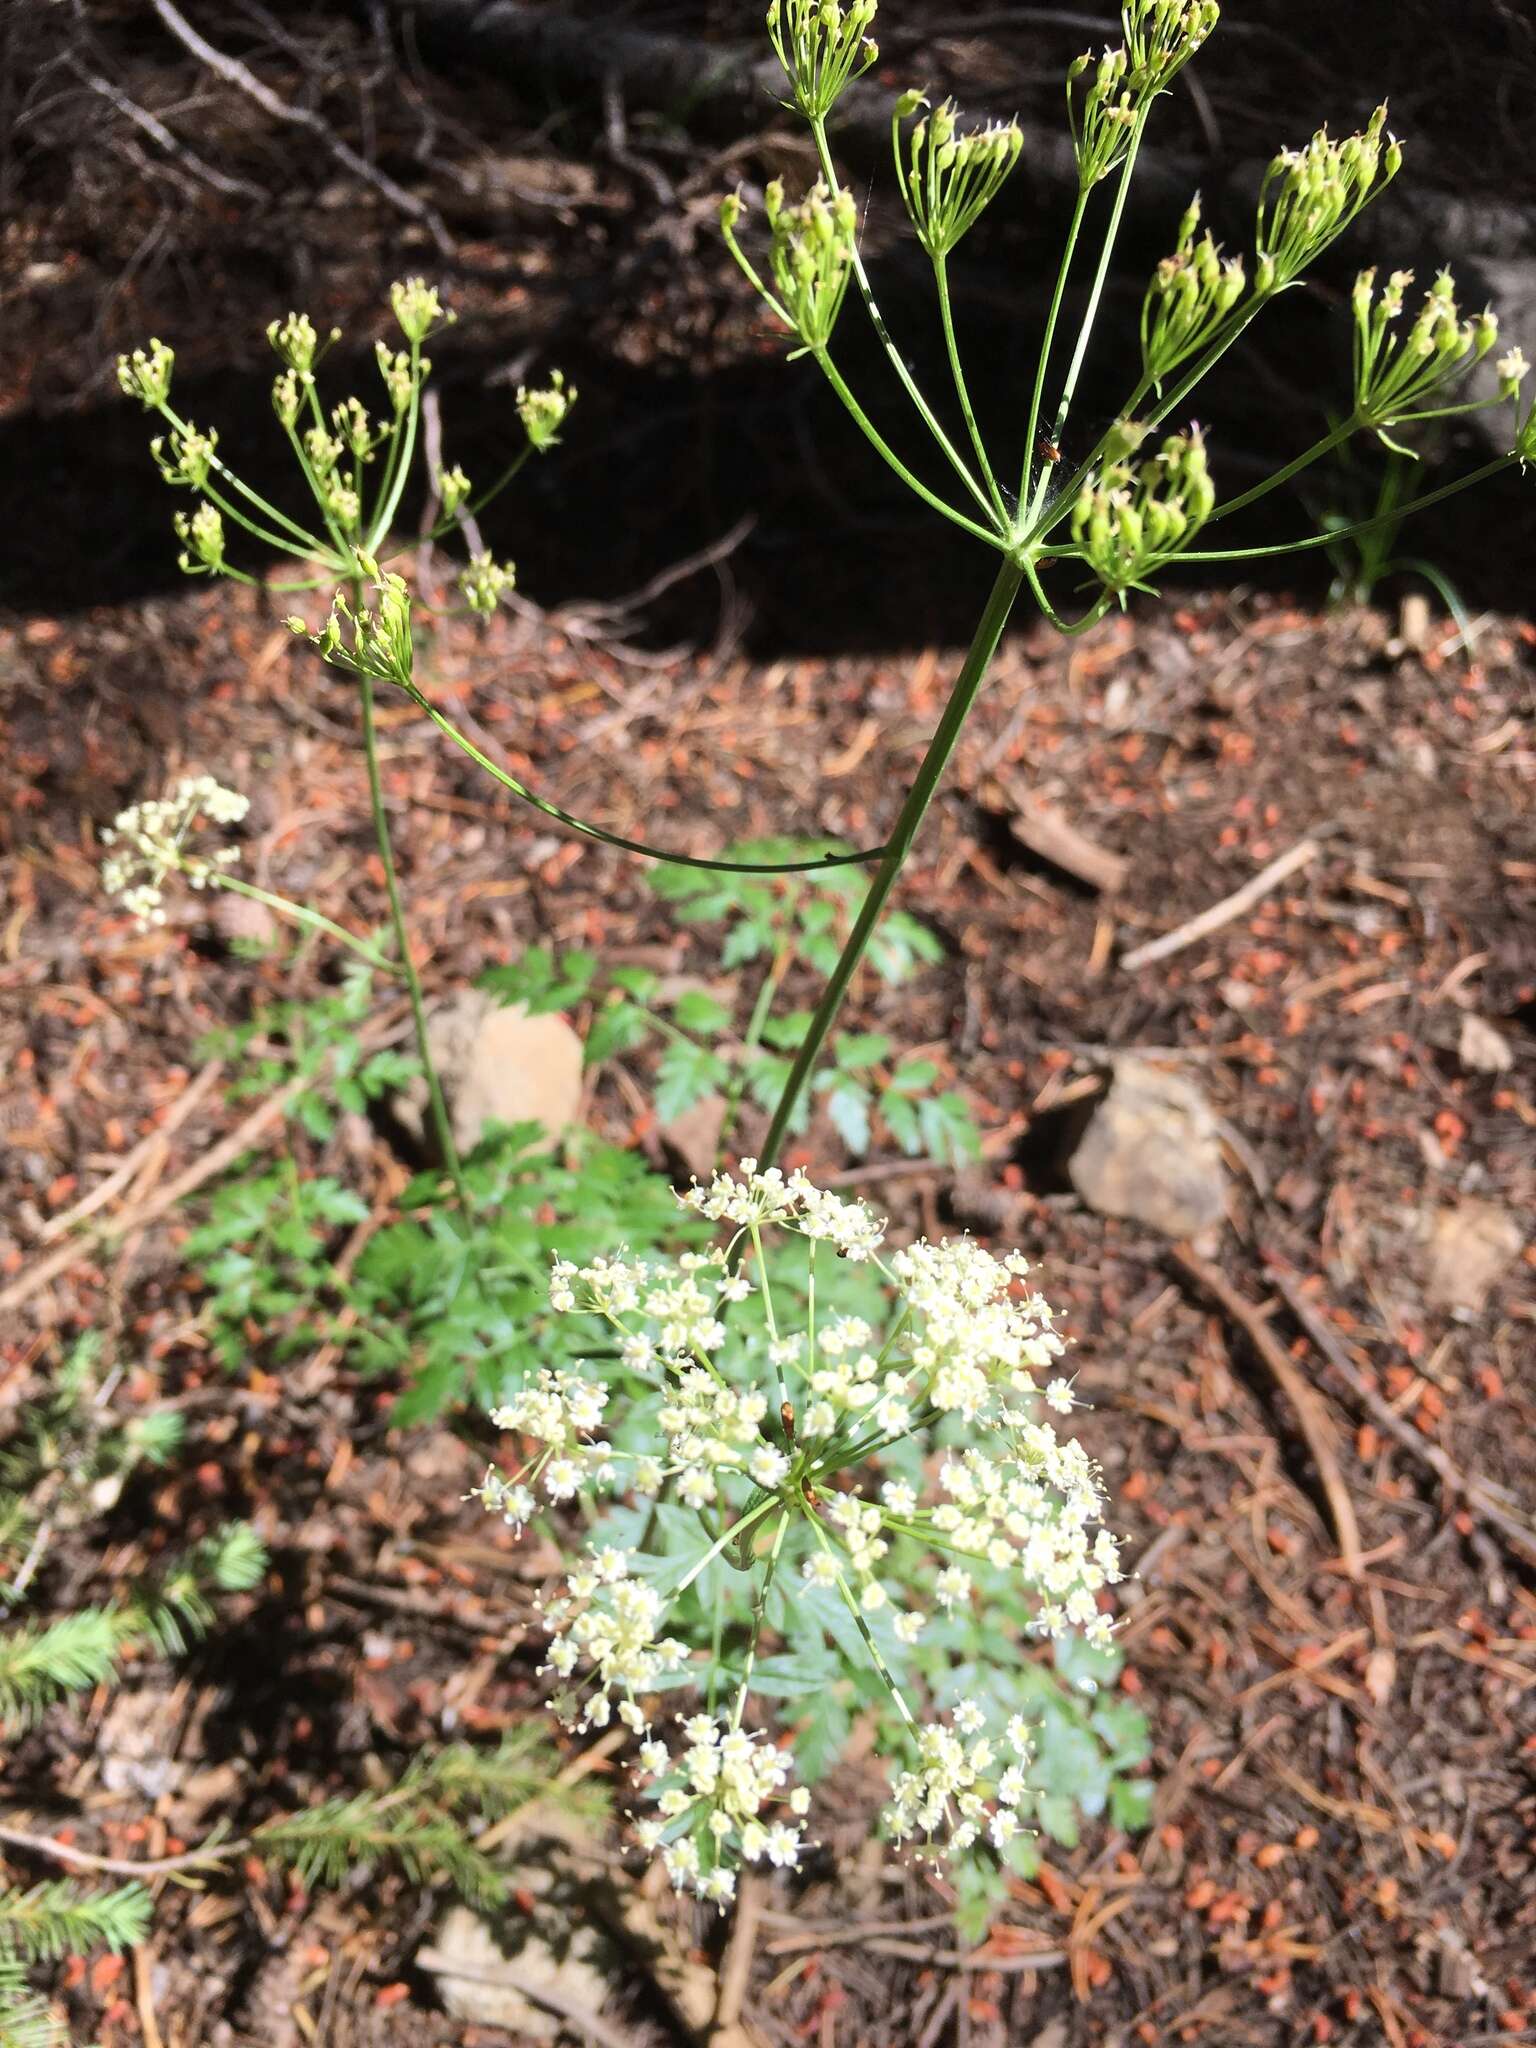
893	355
1042	364
977	661
440	1123
1091	311
962	389
311	919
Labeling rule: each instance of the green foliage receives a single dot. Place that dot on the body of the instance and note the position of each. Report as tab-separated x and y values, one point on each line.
458	1306
710	1047
323	1043
70	1455
1364	560
42	1663
264	1255
423	1824
49	1921
26	2019
809	914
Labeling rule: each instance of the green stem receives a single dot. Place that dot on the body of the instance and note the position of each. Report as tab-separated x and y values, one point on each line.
1293	468
302	914
1047	340
1338	533
440	1123
893	354
606	838
887	453
1090	312
962	391
972	674
759	1610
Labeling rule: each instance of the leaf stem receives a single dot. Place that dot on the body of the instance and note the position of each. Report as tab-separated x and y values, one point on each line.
967	684
877	320
440	1121
302	914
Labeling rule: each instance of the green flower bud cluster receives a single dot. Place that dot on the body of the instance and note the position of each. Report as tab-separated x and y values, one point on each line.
1160	38
1102	127
1191	293
485	582
1512	369
417	308
368	642
543	412
191	457
1398	370
811	256
823	46
399	378
296	341
453	488
202	537
950	177
146	374
1310	196
1137	516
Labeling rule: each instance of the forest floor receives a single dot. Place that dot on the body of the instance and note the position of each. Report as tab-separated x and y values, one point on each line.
1344	1722
1332	1623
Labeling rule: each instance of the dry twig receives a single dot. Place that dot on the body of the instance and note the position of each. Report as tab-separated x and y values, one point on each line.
1309	1410
1518	1535
1218	914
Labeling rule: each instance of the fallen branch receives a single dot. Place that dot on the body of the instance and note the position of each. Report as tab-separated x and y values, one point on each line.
244	1135
1518	1535
1230	907
1309	1410
234	73
128	1166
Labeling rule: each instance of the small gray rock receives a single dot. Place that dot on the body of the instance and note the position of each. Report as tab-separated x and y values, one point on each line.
498	1065
1469	1247
1151	1153
1481	1049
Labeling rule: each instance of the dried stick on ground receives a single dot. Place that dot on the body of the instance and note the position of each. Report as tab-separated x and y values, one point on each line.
240	1139
1226	910
1518	1535
234	73
1308	1407
128	1166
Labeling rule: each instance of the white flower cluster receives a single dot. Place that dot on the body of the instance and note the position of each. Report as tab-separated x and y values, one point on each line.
609	1622
766	1433
976	1336
710	1803
561	1411
152	840
793	1203
964	1784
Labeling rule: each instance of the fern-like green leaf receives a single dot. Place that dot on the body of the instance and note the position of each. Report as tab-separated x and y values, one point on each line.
43	1663
64	1919
26	2020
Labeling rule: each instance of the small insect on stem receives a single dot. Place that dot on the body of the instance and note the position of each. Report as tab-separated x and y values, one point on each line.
787	1418
1047	450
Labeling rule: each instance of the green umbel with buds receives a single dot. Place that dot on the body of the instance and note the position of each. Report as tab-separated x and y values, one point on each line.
950	175
1191	293
1310	196
810	256
823	46
1138	515
1399	370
